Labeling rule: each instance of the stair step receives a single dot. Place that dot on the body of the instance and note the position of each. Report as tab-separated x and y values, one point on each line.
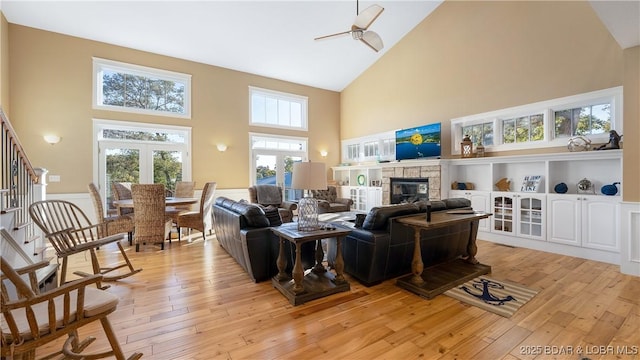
21	226
10	210
31	239
39	250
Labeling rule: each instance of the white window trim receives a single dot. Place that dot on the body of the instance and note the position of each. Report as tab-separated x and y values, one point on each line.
366	139
101	124
547	108
303	100
304	152
99	64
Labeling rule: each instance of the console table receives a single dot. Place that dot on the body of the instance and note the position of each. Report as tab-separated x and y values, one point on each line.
319	281
442	277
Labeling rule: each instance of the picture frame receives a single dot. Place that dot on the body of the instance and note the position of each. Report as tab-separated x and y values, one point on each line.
531	183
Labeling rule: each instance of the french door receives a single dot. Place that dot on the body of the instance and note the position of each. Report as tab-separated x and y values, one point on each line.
139	153
139	163
274	168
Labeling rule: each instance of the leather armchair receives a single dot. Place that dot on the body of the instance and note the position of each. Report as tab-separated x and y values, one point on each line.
266	195
329	202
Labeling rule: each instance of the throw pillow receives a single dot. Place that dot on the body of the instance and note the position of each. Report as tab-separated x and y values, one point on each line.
273	215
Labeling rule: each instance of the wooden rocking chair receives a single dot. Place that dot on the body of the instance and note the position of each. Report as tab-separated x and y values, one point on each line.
70	231
31	319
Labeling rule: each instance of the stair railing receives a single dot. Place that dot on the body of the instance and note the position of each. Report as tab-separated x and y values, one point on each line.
17	185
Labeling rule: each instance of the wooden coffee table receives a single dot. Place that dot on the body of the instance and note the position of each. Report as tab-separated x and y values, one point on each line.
319	281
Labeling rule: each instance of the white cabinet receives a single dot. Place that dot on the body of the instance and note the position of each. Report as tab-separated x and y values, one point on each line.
374	197
519	214
480	201
588	221
359	196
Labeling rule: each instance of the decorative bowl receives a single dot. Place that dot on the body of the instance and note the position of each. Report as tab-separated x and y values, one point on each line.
561	188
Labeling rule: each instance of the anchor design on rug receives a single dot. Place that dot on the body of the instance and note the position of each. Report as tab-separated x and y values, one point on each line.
486	296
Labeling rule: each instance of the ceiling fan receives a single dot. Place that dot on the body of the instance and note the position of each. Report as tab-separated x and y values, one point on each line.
361	24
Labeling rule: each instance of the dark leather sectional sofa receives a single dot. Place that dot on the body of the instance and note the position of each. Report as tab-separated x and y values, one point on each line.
242	229
383	249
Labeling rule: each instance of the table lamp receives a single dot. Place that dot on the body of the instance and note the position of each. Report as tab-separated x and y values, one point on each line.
308	176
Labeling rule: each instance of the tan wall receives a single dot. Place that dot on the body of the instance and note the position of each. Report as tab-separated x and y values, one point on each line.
51	83
631	161
4	64
470	57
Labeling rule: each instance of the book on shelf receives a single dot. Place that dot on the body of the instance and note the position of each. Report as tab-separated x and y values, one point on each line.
531	183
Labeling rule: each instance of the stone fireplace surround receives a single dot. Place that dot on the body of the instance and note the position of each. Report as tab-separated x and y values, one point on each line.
403	170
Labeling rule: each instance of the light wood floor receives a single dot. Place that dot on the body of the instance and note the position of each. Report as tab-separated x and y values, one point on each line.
192	301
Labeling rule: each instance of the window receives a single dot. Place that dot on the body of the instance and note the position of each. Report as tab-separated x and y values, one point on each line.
479	132
544	124
523	129
370	148
277	109
138	89
587	120
140	153
272	161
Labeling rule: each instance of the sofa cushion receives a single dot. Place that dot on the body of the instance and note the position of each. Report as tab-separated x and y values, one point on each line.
252	214
436	205
328	195
456	203
378	217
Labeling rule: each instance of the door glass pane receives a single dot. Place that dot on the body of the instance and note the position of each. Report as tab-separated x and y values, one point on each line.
289	193
167	168
122	165
266	169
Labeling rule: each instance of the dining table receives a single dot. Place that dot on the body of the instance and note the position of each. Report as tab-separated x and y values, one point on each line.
169	201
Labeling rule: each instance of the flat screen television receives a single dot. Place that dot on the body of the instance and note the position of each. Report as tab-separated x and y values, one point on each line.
418	142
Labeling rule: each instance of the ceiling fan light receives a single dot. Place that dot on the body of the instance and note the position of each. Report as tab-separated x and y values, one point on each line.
357	34
372	40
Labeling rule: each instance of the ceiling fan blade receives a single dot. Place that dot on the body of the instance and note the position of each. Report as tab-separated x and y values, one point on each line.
332	35
368	16
372	40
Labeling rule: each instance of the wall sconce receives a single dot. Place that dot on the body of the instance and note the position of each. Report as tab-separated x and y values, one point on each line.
222	147
52	139
324	153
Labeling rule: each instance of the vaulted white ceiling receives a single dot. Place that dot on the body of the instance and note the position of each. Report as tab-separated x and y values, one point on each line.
268	38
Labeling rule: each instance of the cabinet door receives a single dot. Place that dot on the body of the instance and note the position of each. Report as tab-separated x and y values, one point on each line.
359	197
530	219
374	197
480	201
600	223
503	213
564	219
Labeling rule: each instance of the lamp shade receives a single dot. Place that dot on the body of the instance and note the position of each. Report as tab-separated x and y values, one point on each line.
309	176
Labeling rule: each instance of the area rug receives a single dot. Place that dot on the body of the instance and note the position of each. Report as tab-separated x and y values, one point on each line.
500	297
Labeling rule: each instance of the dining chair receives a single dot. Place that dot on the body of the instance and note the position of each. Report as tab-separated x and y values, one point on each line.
31	319
184	189
122	191
70	232
114	224
200	220
152	224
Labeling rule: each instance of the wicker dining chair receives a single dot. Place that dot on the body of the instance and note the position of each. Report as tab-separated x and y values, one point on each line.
184	189
122	191
70	232
115	224
152	225
201	220
31	319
